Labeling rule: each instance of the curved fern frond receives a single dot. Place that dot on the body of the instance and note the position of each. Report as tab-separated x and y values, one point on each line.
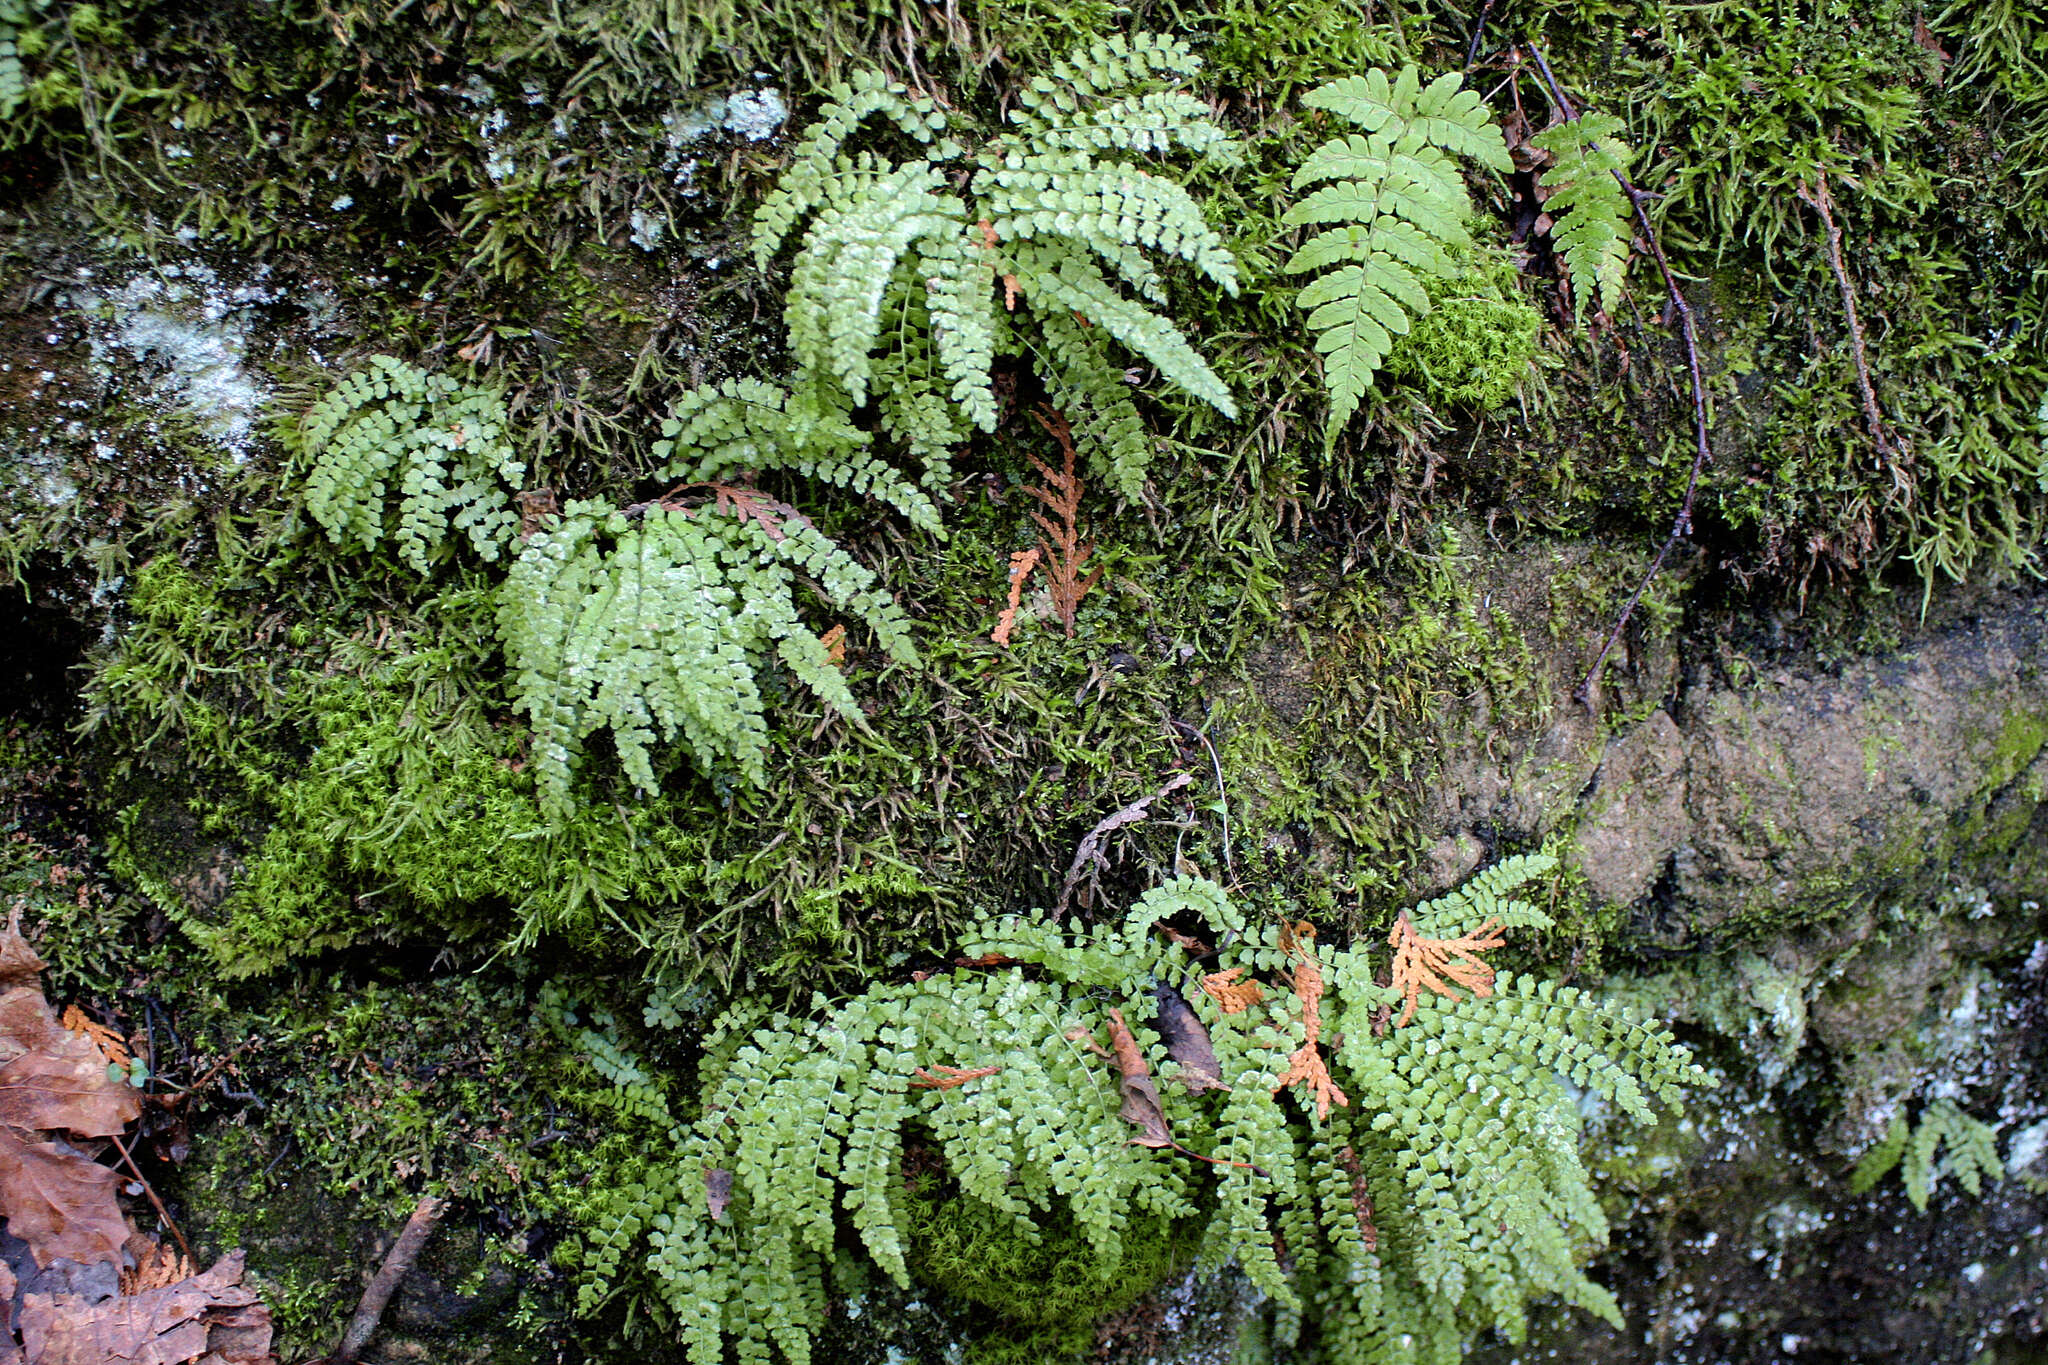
654	626
959	282
1157	121
1068	281
848	258
1087	385
815	163
1067	195
1592	209
1108	66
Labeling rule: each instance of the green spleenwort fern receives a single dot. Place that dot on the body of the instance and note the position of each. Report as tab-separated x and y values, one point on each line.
1594	230
654	621
905	287
1391	207
1971	1153
1445	1196
440	445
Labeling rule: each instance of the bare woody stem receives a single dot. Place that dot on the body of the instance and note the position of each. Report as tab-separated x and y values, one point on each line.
1703	455
397	1265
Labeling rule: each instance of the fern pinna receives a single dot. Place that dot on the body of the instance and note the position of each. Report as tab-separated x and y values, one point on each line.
905	288
1394	204
1424	1180
1582	188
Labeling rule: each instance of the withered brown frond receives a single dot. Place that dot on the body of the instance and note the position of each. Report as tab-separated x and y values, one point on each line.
1420	962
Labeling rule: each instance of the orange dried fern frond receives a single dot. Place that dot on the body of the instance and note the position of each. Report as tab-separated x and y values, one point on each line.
1307	1063
1064	554
1439	962
1022	562
1231	995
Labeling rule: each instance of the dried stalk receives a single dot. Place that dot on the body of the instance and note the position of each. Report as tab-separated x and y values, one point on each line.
1873	417
397	1265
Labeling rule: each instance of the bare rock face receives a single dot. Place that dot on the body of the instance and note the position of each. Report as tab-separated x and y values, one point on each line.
1802	793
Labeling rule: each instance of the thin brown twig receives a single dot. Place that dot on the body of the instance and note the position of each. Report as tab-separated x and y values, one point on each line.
150	1190
1703	455
1816	198
397	1265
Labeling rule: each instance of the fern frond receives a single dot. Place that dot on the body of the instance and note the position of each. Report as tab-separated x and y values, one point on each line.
1109	66
848	258
443	445
1441	114
654	628
1069	281
959	282
1067	195
1087	385
1594	232
1397	205
811	176
1157	121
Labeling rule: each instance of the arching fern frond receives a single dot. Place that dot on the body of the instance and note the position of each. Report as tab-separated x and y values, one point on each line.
812	175
1593	231
442	445
1397	206
652	623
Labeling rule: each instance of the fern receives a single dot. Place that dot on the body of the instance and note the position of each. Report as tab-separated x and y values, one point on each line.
1438	1201
653	622
1394	205
1587	156
1971	1153
13	83
904	290
443	447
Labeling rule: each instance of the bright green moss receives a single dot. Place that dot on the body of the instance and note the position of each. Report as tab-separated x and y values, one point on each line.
1473	349
1045	1294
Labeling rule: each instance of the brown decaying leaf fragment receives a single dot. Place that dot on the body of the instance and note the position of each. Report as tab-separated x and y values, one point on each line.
1187	1042
1361	1198
1142	1105
949	1077
1022	562
1307	1062
1420	962
109	1041
834	641
1088	860
211	1318
1231	995
717	1191
54	1197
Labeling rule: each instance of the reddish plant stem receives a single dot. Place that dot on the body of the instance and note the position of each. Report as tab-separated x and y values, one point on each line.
1703	454
1816	199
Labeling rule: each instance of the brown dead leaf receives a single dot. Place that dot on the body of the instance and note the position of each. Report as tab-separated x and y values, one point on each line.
1231	995
949	1077
1420	962
210	1318
1142	1105
1187	1042
58	1201
1924	36
156	1266
46	1091
834	641
19	965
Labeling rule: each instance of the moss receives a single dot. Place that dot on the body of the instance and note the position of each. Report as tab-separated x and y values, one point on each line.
1046	1292
1473	349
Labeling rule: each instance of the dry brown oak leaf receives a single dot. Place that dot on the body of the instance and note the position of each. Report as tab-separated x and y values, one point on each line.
54	1197
1420	962
210	1319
